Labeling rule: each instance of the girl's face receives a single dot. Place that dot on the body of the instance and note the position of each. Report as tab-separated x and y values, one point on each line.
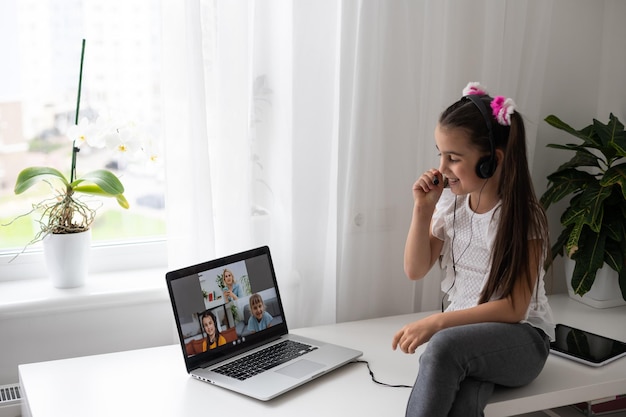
209	326
257	310
228	278
458	160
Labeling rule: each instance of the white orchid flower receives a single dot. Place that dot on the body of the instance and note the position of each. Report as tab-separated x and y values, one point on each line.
125	142
83	132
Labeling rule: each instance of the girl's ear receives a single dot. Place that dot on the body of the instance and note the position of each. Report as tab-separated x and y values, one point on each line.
499	156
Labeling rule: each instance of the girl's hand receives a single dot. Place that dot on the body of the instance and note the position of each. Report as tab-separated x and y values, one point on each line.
425	191
412	335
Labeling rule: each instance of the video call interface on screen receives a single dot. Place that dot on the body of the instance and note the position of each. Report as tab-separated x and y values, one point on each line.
221	307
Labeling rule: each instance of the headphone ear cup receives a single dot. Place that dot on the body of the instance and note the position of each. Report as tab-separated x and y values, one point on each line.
486	167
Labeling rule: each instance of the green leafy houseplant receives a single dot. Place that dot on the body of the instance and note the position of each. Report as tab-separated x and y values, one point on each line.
595	221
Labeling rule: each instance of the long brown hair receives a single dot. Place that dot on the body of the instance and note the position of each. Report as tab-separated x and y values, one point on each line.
521	215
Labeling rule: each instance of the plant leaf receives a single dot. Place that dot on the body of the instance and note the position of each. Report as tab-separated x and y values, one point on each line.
588	261
613	225
94	189
619	142
592	200
613	255
613	136
586	134
30	176
615	175
572	245
606	133
104	179
121	200
565	183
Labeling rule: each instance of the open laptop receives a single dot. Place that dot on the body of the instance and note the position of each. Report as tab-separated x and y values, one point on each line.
205	305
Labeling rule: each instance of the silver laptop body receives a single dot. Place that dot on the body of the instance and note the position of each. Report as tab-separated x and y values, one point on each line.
230	308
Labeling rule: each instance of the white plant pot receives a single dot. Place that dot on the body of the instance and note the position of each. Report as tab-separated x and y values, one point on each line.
67	258
605	291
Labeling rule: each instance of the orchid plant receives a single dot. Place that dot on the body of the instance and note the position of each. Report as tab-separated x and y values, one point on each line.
65	212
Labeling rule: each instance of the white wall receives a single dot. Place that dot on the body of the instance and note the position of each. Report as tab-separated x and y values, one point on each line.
114	325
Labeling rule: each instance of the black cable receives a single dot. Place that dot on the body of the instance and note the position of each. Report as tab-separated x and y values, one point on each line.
455	261
377	381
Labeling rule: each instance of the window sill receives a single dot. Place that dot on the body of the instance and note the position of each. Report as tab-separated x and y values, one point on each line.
24	298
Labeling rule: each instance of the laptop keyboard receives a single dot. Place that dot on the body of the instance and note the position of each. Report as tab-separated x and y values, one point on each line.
265	359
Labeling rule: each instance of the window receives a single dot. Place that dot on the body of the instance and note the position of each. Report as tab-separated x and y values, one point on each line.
41	46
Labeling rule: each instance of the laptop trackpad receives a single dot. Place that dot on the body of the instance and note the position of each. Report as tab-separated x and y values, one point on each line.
300	369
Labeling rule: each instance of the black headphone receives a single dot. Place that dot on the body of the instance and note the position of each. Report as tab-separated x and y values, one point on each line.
487	164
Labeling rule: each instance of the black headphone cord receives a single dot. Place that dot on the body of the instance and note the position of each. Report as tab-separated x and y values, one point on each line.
454	261
377	381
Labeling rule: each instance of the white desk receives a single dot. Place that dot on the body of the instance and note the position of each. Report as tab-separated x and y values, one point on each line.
154	382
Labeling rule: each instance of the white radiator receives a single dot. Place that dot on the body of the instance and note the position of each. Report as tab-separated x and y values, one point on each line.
10	400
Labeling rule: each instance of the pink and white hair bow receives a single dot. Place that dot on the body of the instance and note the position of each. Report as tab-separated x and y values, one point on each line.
474	88
502	109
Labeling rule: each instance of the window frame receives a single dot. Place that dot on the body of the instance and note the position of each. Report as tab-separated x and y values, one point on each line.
106	256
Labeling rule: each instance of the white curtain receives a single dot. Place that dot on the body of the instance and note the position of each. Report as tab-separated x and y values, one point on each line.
303	124
251	90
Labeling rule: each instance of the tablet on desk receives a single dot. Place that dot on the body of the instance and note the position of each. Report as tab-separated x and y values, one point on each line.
585	347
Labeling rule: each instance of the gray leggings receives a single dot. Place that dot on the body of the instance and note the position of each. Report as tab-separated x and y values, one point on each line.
461	365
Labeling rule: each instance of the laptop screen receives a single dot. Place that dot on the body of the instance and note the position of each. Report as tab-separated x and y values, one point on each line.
225	306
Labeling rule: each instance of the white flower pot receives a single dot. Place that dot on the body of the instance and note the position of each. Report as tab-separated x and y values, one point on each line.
605	291
67	258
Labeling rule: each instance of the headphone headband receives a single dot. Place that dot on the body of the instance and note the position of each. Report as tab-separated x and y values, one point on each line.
487	165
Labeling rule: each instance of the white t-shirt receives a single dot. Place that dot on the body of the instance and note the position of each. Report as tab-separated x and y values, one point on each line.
467	245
